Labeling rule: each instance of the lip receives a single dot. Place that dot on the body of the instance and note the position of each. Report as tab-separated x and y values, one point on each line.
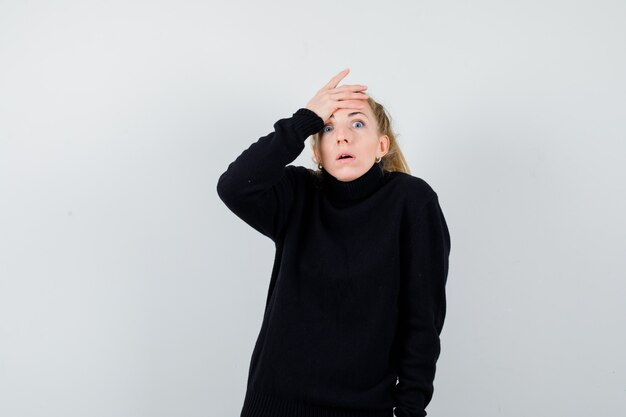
346	159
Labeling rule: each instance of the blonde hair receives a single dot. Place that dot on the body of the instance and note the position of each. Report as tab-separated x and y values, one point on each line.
394	159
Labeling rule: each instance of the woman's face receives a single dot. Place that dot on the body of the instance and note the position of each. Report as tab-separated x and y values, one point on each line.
353	132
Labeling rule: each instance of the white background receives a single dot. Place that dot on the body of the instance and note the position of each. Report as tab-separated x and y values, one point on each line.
128	289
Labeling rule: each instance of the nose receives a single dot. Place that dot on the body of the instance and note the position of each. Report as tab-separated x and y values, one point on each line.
341	135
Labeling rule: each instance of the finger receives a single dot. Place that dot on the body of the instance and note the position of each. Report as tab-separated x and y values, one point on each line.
335	80
350	104
350	96
345	94
350	87
359	95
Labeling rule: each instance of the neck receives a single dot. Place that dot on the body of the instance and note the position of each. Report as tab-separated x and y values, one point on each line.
355	189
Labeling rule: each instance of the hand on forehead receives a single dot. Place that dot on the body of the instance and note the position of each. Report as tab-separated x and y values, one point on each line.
346	112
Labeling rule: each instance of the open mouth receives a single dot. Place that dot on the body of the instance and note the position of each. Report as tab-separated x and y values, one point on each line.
345	156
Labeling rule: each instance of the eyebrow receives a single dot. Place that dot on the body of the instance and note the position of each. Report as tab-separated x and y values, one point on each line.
351	114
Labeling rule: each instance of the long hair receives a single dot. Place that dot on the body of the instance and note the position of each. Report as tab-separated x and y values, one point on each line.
394	159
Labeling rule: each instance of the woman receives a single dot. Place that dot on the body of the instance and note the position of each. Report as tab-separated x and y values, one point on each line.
356	299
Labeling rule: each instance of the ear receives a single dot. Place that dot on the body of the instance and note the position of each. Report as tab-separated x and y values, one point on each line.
317	158
384	144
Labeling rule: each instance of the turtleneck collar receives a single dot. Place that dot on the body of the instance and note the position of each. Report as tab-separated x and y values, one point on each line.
356	189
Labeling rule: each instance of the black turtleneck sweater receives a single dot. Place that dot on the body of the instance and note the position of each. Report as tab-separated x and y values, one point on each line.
356	299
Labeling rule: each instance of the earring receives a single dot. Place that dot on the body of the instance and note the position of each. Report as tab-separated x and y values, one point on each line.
319	166
378	159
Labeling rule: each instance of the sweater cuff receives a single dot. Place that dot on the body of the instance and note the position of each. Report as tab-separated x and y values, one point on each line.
307	122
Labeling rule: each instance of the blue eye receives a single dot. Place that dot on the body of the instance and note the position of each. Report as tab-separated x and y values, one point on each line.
356	121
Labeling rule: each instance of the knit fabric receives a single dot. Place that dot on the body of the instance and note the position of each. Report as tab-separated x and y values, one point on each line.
356	300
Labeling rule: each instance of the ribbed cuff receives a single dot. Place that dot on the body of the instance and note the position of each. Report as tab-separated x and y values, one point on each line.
306	122
260	405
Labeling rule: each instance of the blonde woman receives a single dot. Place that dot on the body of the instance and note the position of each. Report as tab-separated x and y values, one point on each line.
356	300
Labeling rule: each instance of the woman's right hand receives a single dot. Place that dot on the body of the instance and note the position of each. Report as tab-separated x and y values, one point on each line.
331	97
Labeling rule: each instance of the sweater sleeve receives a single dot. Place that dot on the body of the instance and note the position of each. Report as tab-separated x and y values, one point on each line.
258	186
422	306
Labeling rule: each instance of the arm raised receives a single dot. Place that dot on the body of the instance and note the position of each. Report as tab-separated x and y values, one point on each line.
258	186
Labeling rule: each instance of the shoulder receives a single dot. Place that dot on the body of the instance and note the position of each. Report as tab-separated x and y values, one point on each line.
421	212
300	172
416	191
302	177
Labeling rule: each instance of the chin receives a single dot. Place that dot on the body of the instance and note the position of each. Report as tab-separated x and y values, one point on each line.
347	174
